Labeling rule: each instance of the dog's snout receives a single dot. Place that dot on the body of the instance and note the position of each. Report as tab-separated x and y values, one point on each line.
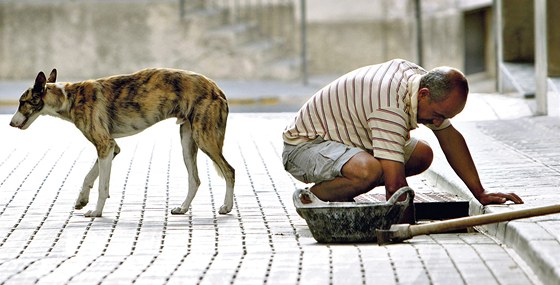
18	120
12	124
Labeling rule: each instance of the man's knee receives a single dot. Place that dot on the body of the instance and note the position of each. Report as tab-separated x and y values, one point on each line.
364	170
421	159
426	154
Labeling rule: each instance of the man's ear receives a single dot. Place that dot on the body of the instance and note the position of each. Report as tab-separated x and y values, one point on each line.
52	76
40	83
423	93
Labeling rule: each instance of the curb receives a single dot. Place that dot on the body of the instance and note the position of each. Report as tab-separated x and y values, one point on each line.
529	239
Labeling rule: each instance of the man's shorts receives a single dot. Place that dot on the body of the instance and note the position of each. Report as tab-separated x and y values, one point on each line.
322	160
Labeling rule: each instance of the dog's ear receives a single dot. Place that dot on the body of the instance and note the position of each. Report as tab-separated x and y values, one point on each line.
52	76
40	83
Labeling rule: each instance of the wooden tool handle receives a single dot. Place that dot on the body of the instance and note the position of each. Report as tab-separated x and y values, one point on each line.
461	223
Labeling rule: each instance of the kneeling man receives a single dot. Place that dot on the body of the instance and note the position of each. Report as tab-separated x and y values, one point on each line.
354	134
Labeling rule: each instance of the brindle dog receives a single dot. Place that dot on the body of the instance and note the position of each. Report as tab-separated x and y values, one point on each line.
123	105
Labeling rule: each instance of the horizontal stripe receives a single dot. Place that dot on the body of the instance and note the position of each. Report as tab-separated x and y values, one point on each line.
387	150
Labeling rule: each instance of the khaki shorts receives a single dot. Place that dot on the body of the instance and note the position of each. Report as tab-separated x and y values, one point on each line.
322	160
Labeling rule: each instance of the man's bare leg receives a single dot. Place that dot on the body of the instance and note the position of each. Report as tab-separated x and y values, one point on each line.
419	161
363	172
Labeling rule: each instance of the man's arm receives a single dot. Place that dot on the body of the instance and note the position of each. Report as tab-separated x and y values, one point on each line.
394	176
459	157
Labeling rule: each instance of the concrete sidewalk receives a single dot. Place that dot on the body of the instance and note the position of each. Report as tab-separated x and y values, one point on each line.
44	240
521	156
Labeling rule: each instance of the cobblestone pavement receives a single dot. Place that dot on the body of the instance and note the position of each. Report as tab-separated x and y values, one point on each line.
520	156
44	240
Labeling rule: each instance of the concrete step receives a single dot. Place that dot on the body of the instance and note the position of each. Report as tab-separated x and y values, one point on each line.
284	69
193	5
231	36
264	50
519	77
204	19
239	50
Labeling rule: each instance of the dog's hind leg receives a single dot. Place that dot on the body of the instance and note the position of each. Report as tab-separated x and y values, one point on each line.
190	151
210	141
83	197
228	173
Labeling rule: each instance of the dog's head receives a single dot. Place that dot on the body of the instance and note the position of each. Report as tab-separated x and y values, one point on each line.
31	102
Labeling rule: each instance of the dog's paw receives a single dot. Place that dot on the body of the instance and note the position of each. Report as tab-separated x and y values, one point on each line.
224	209
92	214
178	211
80	204
82	201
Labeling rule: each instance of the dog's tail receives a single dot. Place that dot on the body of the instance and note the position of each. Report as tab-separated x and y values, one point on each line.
221	129
219	170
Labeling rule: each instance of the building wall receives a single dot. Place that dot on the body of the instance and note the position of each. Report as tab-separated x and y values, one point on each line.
344	36
86	39
442	34
553	38
518	31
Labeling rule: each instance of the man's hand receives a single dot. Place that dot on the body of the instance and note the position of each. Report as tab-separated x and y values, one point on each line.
486	198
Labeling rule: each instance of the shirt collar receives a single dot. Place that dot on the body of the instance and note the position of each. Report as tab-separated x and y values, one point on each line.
413	87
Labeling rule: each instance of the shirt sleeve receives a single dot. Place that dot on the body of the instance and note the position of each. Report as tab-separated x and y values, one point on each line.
389	132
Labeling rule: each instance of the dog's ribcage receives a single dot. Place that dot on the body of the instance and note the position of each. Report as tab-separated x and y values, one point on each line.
128	104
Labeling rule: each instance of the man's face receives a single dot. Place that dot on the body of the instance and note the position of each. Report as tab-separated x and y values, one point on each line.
435	113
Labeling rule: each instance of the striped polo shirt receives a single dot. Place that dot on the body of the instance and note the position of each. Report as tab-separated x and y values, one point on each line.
373	108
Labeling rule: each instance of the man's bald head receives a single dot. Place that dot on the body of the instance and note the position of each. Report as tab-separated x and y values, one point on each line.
442	81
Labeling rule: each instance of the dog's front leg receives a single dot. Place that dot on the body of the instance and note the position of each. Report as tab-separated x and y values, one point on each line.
83	198
105	159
